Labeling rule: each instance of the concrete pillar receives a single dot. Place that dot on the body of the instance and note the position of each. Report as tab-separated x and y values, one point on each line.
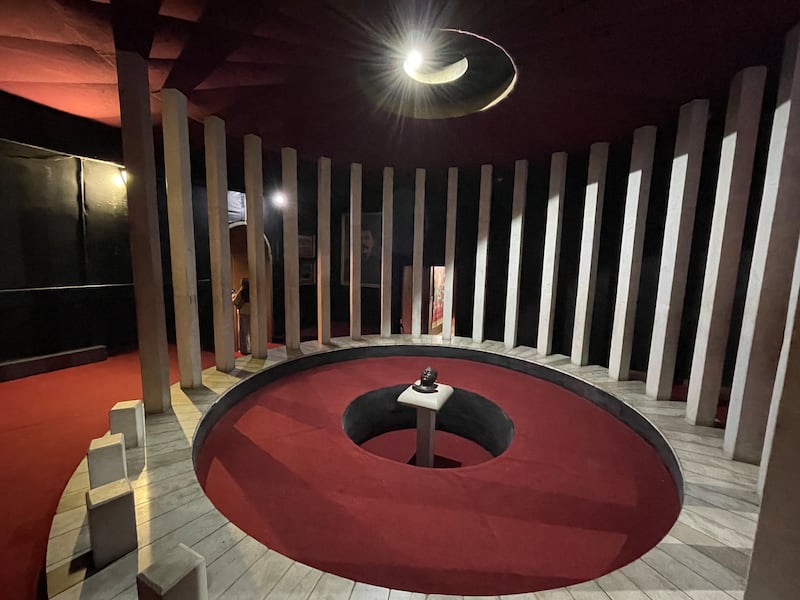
324	250
416	267
590	247
355	251
291	252
450	253
630	255
256	254
219	242
148	286
515	252
775	562
386	251
181	236
482	253
683	186
780	377
552	246
727	228
770	270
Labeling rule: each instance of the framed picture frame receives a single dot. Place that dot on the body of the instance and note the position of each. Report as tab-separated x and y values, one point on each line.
306	246
308	271
370	250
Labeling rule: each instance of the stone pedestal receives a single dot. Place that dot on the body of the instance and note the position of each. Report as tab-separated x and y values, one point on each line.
112	522
106	460
127	418
180	576
427	405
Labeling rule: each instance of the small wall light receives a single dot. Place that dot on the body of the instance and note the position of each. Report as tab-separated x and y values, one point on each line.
279	199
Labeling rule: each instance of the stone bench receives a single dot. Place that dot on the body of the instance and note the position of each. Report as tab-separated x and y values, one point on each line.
180	576
112	522
128	418
106	460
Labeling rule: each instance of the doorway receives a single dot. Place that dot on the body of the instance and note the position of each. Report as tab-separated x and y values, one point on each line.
239	269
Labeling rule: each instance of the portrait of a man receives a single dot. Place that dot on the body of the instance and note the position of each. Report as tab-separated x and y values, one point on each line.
370	249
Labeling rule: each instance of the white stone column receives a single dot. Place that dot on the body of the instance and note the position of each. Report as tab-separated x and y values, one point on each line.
291	256
387	217
419	245
683	185
355	251
770	270
181	236
630	255
727	229
552	247
775	562
219	242
780	377
482	253
590	247
515	252
450	253
256	253
324	250
148	287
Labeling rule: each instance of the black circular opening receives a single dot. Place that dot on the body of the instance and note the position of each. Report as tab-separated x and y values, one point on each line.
466	414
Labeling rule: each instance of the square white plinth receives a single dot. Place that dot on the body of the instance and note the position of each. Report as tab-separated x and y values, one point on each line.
180	576
127	418
106	459
432	401
112	522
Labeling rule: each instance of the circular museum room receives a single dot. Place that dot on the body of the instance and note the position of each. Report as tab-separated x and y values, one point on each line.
400	299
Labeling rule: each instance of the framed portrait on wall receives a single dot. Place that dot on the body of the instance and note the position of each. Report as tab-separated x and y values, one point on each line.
308	271
306	246
370	250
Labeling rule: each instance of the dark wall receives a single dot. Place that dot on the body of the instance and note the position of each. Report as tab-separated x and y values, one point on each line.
66	282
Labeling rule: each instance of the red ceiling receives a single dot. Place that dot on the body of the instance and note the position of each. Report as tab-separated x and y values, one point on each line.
287	70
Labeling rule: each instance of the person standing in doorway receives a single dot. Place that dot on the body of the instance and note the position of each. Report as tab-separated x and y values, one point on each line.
241	300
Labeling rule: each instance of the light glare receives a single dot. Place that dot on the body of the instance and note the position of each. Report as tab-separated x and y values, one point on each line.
279	199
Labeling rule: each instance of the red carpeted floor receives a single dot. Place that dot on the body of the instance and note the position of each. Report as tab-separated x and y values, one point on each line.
576	495
46	424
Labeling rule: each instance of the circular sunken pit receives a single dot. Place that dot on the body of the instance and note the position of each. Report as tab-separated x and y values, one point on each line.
576	494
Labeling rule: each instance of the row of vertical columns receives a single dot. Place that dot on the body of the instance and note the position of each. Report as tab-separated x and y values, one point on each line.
148	289
552	246
682	201
450	253
515	252
386	251
724	247
181	236
482	252
355	251
775	561
771	269
630	257
291	258
419	245
324	250
256	260
590	245
219	242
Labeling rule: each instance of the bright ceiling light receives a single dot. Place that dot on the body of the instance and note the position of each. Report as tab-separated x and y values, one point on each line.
446	74
413	62
279	199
